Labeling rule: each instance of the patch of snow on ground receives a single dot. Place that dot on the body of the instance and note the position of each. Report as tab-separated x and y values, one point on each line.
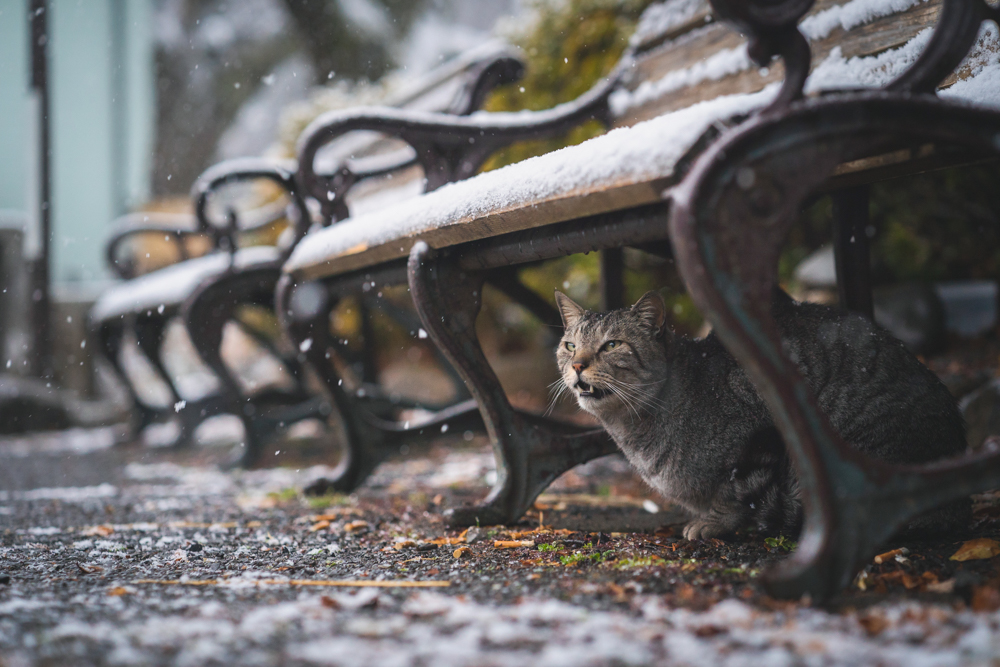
69	494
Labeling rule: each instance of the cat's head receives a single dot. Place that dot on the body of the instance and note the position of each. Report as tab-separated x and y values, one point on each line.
612	362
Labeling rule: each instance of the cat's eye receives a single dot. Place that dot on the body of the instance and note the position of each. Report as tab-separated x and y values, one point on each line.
570	346
611	344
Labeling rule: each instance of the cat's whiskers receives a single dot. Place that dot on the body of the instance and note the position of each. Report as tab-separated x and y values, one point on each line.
628	404
643	397
557	389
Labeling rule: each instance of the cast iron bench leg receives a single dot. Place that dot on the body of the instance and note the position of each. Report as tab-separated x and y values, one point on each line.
111	335
531	452
728	222
370	439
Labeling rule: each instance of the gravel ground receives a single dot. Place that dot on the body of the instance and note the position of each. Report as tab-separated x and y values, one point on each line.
139	556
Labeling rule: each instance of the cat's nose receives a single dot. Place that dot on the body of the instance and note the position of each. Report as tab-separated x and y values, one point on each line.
579	366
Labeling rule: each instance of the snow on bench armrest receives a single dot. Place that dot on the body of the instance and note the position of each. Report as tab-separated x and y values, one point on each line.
640	155
627	166
170	286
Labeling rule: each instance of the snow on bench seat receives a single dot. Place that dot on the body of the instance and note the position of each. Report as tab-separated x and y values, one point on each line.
624	168
169	287
610	172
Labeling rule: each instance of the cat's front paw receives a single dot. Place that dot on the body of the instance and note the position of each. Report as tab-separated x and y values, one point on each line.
703	529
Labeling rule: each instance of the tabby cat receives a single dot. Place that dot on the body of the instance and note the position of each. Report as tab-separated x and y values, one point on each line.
689	419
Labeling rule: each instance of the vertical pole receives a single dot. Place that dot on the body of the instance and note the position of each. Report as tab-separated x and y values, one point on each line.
612	279
42	361
850	249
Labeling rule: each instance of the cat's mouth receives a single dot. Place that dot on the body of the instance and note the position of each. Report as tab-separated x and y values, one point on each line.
590	391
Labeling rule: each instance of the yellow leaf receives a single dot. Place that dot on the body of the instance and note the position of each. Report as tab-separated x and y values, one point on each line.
977	549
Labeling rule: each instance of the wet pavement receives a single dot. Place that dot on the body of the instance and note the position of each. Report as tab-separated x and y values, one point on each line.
130	555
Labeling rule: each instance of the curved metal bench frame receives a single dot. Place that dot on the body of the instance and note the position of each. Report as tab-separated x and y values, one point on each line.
217	300
726	237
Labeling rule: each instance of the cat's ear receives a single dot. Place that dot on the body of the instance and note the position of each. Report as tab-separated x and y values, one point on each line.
651	311
570	311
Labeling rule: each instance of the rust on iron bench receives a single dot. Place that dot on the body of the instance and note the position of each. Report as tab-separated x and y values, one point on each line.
610	192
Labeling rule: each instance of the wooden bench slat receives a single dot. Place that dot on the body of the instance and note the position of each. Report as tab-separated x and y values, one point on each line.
613	171
868	39
496	203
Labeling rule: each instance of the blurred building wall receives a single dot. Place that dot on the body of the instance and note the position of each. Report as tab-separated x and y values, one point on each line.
102	105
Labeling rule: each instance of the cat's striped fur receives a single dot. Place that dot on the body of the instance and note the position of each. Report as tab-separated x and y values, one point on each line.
691	422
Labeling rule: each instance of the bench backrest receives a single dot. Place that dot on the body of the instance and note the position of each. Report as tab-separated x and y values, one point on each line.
682	55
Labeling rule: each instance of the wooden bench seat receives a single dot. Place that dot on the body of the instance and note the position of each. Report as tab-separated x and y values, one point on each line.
209	292
727	136
168	288
631	167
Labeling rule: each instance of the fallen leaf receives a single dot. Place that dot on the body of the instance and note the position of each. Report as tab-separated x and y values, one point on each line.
873	624
977	549
319	525
102	531
117	590
512	544
446	541
462	552
328	601
355	526
985	598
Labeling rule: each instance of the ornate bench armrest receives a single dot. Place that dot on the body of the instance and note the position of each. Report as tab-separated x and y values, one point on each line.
448	147
280	172
174	226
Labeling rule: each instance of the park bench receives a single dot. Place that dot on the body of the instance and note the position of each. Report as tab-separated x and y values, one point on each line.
743	127
214	287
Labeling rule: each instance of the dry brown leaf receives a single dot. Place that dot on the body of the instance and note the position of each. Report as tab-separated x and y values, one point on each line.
328	601
355	526
117	590
319	525
977	549
512	544
985	598
873	624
